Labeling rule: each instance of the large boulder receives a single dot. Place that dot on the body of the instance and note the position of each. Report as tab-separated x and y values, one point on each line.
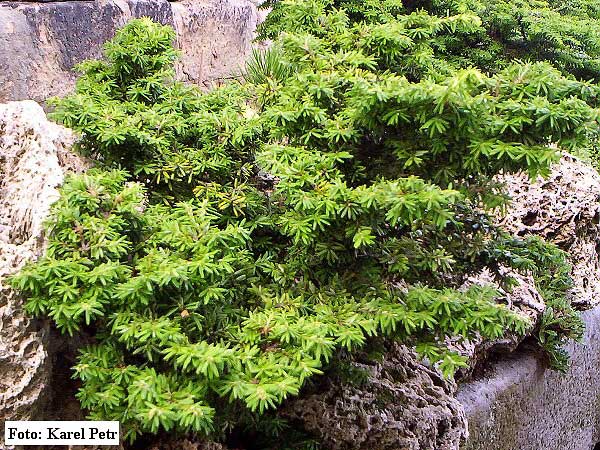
34	157
563	208
519	404
42	42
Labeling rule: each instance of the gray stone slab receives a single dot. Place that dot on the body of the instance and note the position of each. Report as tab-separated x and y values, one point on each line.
522	405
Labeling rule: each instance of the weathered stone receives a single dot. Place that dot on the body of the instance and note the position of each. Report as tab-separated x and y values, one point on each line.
519	404
523	299
402	405
215	38
564	209
34	156
41	42
186	444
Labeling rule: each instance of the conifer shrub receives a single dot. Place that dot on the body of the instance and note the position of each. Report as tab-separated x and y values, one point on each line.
565	33
231	245
134	116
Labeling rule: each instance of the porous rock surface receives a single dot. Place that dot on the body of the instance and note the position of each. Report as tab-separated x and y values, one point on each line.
519	404
42	41
523	299
34	156
563	208
187	444
402	404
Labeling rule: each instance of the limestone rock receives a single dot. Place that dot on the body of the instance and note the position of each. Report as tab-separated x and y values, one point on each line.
401	405
519	404
186	444
524	299
215	38
41	42
34	156
564	209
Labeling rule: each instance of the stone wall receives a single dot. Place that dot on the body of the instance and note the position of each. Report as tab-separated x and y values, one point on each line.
41	42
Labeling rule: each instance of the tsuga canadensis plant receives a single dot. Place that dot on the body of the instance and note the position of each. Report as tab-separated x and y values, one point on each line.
230	245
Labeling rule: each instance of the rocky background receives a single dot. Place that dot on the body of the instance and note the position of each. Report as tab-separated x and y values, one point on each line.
515	404
34	156
41	42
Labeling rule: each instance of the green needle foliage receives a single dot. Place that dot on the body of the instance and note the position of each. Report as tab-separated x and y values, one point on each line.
564	33
133	115
232	244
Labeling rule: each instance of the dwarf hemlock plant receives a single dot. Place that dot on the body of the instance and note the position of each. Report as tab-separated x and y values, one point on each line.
565	33
230	245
